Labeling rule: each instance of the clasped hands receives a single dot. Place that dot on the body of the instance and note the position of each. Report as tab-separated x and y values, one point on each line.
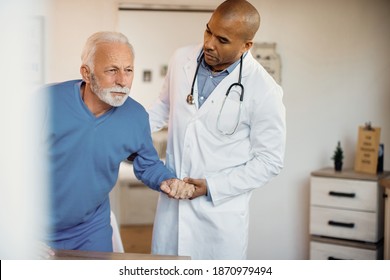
188	188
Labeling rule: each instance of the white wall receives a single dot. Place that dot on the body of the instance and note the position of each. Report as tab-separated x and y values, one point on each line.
335	74
154	52
68	24
335	59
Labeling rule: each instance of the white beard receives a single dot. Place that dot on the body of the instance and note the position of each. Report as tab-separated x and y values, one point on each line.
105	95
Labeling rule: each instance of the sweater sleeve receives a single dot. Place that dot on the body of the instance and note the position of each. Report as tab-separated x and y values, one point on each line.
147	165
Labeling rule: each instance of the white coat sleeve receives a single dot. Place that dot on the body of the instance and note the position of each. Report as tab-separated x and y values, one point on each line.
267	138
159	110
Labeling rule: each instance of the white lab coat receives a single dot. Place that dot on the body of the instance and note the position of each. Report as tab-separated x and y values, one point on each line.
216	227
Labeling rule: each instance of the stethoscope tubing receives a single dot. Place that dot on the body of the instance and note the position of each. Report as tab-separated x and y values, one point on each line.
190	98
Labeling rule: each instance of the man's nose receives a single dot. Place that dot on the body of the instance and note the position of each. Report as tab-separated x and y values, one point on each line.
120	78
209	43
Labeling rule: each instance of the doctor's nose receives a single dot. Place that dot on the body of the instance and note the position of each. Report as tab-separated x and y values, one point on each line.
209	43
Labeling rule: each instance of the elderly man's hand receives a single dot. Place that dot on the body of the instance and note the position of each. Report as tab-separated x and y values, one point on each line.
177	189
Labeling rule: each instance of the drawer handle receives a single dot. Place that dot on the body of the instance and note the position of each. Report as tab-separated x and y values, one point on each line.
333	193
340	224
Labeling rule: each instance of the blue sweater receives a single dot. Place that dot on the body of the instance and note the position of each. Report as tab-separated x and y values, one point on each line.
84	157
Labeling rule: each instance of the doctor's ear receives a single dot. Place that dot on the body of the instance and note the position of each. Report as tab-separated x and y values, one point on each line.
85	72
248	45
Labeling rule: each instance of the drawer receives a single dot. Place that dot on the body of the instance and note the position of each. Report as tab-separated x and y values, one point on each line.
325	251
344	193
347	224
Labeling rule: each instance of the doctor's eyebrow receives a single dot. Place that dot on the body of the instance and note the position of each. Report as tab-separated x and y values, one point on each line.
222	39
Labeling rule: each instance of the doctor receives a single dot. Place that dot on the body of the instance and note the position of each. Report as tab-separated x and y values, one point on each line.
226	135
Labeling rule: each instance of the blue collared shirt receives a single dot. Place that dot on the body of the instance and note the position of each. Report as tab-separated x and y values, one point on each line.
208	81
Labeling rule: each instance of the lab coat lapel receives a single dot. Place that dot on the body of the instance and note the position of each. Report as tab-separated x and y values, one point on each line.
248	64
189	70
190	67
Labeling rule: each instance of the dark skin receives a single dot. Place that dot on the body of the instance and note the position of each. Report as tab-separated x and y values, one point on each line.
229	34
223	42
200	186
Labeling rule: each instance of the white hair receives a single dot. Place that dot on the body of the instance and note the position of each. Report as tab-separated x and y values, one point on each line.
88	53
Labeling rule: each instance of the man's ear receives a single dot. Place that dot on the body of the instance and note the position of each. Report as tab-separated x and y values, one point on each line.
248	45
85	73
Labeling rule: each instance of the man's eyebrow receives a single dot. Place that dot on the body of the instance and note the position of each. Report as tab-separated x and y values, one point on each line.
117	67
219	37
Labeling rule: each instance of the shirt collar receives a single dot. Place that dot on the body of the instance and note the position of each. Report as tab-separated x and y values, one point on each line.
200	59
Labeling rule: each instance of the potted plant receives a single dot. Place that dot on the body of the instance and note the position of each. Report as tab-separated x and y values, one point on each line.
338	157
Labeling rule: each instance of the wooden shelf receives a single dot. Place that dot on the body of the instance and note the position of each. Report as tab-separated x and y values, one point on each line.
349	174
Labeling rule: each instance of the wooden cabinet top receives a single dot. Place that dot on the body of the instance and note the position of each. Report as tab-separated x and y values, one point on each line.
350	174
385	182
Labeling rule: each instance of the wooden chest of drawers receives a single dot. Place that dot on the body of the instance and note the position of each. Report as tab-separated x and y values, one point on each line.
323	248
346	215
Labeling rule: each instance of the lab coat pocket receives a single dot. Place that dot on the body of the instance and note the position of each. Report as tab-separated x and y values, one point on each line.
225	118
230	112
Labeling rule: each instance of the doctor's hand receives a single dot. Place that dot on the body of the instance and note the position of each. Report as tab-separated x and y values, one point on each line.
177	189
200	186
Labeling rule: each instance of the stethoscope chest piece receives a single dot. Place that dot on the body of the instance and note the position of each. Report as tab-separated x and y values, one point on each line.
190	99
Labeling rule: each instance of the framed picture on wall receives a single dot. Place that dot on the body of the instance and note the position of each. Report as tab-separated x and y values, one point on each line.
266	55
147	76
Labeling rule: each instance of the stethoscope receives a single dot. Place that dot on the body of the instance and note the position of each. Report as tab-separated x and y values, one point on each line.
190	97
